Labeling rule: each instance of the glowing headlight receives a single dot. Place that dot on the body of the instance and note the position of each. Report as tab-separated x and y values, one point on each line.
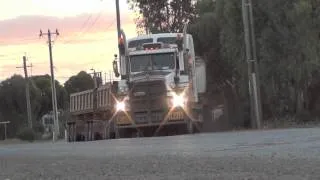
178	100
120	106
122	89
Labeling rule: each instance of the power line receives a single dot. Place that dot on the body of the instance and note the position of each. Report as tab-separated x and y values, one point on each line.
12	56
19	41
16	54
84	26
87	20
95	21
87	28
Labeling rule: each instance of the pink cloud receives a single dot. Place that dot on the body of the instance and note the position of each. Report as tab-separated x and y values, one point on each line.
25	29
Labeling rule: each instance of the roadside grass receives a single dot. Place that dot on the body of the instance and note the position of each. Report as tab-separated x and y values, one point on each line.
290	122
284	123
18	141
12	141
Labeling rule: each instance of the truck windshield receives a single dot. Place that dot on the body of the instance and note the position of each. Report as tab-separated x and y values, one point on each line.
163	61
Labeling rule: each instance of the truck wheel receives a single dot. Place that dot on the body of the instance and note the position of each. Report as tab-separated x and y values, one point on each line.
134	134
112	135
117	134
190	127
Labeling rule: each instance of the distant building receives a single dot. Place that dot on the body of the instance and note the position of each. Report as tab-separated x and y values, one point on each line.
47	121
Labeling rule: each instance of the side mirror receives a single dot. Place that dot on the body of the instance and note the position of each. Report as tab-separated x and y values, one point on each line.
176	79
122	47
115	67
179	42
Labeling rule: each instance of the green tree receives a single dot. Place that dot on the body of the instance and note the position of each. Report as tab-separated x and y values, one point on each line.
288	52
80	82
287	38
13	101
162	15
43	105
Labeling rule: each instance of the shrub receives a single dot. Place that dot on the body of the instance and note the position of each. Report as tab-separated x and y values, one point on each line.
27	134
304	116
38	127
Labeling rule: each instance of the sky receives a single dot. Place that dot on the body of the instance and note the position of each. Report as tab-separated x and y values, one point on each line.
87	28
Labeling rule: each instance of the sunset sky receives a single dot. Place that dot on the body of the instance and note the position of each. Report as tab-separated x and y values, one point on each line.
88	37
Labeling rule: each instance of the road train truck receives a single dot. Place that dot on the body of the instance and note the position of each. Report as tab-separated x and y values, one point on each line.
160	91
161	87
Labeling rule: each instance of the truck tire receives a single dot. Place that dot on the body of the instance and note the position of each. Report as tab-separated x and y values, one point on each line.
190	127
117	134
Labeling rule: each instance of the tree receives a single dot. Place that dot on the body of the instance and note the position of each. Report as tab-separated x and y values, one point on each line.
287	41
162	15
13	101
80	82
43	105
216	29
287	38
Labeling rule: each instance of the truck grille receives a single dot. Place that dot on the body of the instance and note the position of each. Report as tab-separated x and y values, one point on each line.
143	117
148	101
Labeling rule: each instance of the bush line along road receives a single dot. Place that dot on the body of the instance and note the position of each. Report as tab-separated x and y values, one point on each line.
272	154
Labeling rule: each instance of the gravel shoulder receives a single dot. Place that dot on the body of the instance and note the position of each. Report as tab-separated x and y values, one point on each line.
277	154
160	167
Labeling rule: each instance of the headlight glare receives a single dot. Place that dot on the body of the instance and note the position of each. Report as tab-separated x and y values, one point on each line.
120	106
178	100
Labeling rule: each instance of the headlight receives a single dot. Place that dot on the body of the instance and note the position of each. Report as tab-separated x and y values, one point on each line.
122	89
120	106
178	100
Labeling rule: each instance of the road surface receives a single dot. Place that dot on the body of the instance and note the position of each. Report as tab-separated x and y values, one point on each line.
274	154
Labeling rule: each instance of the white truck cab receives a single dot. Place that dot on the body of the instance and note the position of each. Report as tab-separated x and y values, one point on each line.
160	84
157	56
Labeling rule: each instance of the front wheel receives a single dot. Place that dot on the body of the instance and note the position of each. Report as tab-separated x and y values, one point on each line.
190	127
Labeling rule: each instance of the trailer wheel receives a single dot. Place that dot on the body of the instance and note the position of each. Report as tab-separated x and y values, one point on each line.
117	134
190	126
80	137
112	135
97	136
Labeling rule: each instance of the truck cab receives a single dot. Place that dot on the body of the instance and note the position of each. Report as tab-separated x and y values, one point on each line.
159	91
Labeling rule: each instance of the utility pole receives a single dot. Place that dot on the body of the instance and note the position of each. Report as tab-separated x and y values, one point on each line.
110	77
5	128
105	78
24	59
31	70
253	69
96	75
119	34
118	20
94	78
53	87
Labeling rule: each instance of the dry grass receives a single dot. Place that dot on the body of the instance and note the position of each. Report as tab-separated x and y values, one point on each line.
17	141
12	141
290	122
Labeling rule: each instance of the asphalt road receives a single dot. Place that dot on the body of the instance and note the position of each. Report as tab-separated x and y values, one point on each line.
277	154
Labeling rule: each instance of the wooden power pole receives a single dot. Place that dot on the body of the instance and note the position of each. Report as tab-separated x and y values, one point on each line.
53	87
253	69
118	23
29	113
